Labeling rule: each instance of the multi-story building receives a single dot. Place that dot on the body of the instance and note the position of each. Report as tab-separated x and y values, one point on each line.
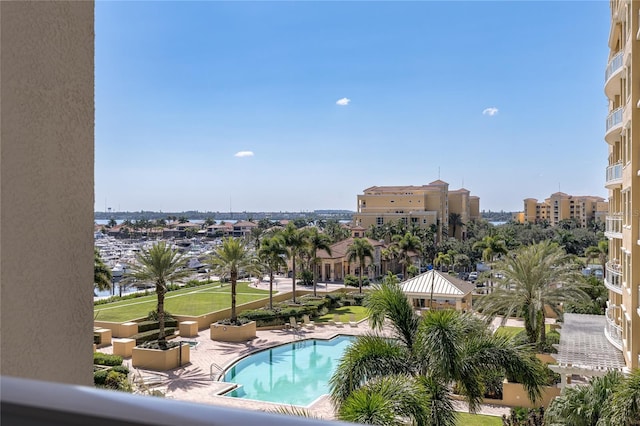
560	206
622	135
423	206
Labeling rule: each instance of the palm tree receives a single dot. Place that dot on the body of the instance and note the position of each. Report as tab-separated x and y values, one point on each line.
424	356
585	405
161	265
359	250
492	247
406	244
624	405
455	221
601	251
295	241
538	276
272	253
101	273
231	258
442	259
317	241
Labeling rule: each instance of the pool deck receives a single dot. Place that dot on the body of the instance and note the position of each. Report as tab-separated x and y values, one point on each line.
193	382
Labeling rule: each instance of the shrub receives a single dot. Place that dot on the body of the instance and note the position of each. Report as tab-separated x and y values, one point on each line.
152	335
352	281
154	344
100	376
153	324
117	381
106	359
121	369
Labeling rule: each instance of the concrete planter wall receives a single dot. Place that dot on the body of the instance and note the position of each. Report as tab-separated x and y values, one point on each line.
233	333
159	360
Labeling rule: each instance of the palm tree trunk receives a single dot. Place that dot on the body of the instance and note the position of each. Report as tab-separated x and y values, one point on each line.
160	311
360	276
315	276
271	289
543	329
234	279
293	282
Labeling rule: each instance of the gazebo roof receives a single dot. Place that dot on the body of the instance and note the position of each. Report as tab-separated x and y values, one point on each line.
442	284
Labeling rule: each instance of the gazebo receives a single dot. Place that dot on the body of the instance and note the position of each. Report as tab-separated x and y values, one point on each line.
437	290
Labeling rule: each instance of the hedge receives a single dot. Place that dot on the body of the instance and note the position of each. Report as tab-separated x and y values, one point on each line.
106	359
152	335
153	325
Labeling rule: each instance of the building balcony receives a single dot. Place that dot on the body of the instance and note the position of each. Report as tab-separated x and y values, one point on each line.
614	176
612	75
613	277
612	331
613	226
614	125
38	403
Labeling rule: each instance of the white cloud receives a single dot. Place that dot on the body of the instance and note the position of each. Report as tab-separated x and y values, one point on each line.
490	111
241	154
343	101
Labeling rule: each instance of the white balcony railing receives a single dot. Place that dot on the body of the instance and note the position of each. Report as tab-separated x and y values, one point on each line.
614	174
613	226
38	403
613	331
614	119
613	277
614	65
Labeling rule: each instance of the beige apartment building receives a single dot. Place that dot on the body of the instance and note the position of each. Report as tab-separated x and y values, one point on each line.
422	206
560	206
622	135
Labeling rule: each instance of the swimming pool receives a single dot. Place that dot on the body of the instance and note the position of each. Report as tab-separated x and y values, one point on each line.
295	374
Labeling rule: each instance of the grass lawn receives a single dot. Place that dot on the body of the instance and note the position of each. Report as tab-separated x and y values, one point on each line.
478	420
186	301
360	313
512	331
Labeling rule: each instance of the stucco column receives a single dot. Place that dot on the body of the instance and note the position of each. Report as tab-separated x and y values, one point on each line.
46	190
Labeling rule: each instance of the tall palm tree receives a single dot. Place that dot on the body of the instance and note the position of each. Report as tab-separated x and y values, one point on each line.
317	241
492	247
295	241
407	244
232	258
426	354
359	251
161	265
538	276
600	252
455	221
101	273
272	253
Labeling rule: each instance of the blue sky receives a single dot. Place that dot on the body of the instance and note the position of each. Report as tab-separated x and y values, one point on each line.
326	99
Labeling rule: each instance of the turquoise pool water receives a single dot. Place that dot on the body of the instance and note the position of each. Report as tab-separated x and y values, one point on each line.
296	373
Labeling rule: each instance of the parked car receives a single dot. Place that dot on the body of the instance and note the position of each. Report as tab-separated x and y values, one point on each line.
473	276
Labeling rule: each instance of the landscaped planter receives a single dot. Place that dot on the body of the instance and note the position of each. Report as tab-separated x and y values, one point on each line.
233	333
160	360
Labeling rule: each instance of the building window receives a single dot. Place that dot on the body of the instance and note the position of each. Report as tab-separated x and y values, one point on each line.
379	221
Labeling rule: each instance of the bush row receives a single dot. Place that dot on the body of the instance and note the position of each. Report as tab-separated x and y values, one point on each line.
105	359
149	325
152	335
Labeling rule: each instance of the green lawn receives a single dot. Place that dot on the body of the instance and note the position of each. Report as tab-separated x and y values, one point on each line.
512	331
360	313
465	419
186	301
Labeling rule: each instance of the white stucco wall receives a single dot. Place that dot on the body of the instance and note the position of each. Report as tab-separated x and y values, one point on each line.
46	190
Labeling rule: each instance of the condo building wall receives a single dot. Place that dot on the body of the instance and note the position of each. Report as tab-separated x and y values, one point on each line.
422	206
622	135
560	206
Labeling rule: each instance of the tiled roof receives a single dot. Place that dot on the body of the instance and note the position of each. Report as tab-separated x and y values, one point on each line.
339	249
443	285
